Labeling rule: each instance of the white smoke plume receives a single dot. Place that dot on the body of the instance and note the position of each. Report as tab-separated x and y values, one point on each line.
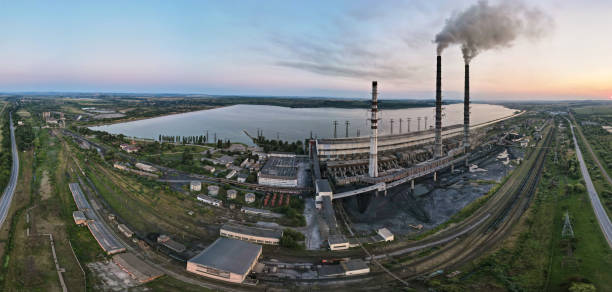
483	27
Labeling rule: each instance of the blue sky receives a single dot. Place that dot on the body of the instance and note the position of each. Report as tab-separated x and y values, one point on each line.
297	48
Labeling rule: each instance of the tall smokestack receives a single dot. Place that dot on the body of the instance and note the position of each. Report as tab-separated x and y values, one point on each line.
373	166
466	110
438	131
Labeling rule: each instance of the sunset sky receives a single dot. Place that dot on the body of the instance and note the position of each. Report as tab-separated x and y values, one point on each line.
293	48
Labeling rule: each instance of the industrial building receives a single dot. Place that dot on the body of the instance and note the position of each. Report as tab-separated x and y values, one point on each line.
226	259
350	267
166	241
280	169
105	238
79	218
125	230
145	167
385	234
242	177
209	169
252	234
260	212
208	200
322	189
338	242
195	186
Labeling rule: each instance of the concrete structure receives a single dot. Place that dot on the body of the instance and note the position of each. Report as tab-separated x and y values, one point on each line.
251	234
125	230
79	218
208	200
136	268
322	189
209	169
249	198
260	212
226	259
166	241
231	194
195	186
145	167
355	267
213	190
373	163
337	242
385	234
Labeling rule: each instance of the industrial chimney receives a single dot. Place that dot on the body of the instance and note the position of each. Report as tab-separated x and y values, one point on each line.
373	166
438	130
466	110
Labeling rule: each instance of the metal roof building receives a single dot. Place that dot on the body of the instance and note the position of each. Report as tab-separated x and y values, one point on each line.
251	234
226	259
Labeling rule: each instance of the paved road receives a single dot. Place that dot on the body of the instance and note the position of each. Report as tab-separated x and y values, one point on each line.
600	212
9	191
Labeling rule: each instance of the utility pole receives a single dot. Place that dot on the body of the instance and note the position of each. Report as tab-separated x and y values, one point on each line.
408	125
425	123
335	123
392	126
358	132
347	123
207	141
418	123
400	125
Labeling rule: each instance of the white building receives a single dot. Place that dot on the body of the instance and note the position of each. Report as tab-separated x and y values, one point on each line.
242	177
209	169
195	186
145	167
230	174
386	234
208	200
125	230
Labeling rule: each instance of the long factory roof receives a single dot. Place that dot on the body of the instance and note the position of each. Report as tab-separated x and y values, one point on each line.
109	243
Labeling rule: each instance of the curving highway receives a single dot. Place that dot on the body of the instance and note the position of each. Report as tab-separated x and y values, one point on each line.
600	212
9	191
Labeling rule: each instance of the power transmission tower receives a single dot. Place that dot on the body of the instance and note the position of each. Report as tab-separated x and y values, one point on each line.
392	126
418	123
425	123
357	132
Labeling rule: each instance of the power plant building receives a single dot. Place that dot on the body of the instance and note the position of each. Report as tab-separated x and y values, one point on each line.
226	259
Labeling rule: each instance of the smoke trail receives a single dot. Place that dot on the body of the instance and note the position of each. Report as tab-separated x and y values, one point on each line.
483	26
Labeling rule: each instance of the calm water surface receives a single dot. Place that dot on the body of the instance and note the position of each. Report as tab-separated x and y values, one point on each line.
293	123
